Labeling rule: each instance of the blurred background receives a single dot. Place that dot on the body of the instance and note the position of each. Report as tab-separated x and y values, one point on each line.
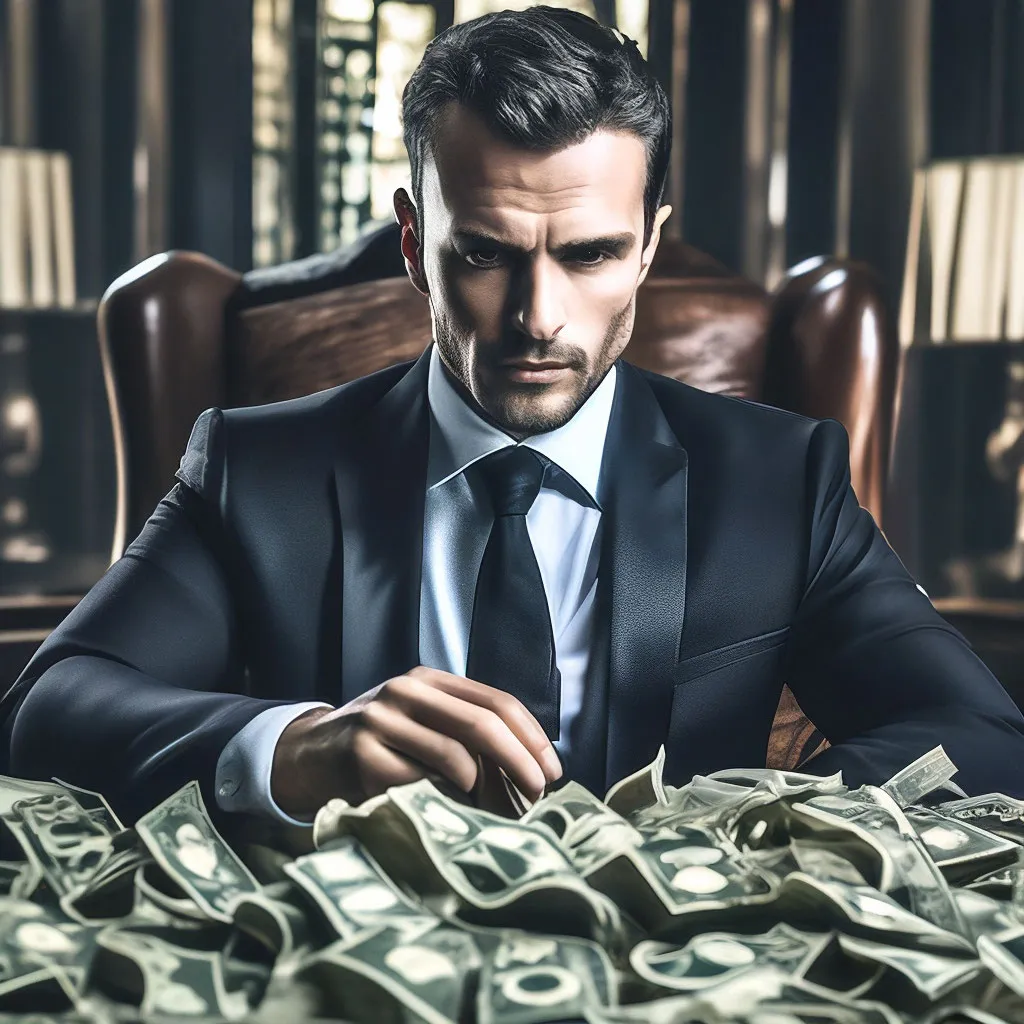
878	135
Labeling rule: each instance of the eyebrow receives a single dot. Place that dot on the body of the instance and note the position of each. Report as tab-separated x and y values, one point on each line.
615	244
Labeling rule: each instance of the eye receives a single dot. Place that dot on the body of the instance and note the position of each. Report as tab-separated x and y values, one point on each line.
473	257
591	258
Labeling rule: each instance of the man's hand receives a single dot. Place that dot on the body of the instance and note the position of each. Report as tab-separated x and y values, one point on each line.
426	723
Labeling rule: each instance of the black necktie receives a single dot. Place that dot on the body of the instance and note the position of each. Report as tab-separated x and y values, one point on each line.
511	644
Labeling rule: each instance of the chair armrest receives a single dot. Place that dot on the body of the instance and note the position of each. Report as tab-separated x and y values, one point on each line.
833	352
162	345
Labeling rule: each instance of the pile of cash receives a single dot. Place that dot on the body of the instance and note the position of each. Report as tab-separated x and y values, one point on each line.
750	895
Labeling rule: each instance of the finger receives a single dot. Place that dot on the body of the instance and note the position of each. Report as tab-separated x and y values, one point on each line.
512	711
380	767
435	751
477	728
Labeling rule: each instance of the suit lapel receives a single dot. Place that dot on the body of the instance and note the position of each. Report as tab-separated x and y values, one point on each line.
380	475
643	485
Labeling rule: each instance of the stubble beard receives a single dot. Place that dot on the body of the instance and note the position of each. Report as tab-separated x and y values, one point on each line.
522	410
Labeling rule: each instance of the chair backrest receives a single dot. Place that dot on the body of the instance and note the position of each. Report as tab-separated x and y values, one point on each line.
181	333
833	351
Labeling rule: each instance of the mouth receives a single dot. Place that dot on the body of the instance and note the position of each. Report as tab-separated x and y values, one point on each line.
534	373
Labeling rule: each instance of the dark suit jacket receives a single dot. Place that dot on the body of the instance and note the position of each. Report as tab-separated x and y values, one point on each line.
285	566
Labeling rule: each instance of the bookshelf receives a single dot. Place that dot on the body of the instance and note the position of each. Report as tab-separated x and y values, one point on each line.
56	467
65	156
53	428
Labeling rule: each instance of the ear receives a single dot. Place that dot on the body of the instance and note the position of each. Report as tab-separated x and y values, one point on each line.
648	254
412	248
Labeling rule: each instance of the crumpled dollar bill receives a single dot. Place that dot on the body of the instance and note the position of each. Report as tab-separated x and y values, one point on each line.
747	895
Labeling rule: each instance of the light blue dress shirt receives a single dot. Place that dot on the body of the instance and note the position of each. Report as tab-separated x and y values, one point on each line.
456	525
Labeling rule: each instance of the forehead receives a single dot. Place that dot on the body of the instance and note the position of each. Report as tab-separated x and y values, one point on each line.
478	178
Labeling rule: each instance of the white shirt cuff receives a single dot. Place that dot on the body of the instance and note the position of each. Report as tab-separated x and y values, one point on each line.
242	779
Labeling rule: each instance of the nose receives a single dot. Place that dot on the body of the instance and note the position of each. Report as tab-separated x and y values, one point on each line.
539	310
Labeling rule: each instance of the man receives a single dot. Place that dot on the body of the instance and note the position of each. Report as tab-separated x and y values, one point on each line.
518	546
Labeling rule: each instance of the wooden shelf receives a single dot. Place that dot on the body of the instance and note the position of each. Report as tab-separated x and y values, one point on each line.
980	607
960	343
80	308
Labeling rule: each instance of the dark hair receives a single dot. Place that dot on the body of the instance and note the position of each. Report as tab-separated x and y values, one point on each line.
541	78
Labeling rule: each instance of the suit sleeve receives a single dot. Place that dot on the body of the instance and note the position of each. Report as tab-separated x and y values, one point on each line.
141	686
874	665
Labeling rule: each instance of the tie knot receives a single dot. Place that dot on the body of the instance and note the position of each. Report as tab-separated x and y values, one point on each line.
512	477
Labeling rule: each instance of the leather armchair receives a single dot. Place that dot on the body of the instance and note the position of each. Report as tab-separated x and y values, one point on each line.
181	333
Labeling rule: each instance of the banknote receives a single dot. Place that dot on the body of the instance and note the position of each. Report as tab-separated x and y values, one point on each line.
747	896
761	995
962	1014
867	912
1003	955
803	1003
595	847
713	957
13	790
783	783
725	799
703	801
913	871
526	978
109	891
275	917
35	937
386	832
961	850
353	893
668	879
933	975
183	841
390	975
818	860
68	842
726	1002
495	866
146	966
983	914
95	804
1002	815
849	830
999	884
149	911
642	789
572	813
19	878
163	892
922	777
46	987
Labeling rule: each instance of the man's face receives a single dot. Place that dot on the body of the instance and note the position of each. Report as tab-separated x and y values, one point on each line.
529	311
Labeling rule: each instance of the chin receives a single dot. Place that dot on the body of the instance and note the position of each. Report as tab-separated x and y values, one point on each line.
535	413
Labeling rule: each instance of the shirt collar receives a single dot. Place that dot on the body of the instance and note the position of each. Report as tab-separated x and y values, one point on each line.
462	437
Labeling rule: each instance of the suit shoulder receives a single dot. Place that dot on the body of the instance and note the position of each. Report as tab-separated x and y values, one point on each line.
295	436
339	404
689	408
